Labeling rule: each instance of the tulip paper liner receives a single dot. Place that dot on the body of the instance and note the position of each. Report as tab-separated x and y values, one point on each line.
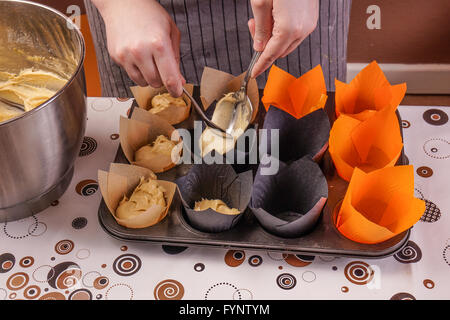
297	137
369	91
121	180
379	205
142	129
172	114
289	203
370	144
296	96
214	182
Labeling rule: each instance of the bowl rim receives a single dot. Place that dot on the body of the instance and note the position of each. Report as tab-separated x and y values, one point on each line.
74	75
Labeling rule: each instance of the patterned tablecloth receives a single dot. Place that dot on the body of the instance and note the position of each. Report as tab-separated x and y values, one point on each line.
63	253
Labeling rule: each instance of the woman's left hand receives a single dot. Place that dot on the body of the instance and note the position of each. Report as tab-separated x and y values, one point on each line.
279	26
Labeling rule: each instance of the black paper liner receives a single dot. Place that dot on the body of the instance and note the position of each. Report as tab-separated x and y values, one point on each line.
211	182
288	204
308	135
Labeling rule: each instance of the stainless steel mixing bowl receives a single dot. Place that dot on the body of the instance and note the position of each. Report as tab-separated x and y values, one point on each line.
38	149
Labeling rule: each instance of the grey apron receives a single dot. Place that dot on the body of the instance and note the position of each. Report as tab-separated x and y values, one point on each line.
225	42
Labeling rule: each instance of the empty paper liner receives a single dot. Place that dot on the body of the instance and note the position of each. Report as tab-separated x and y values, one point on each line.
214	182
379	205
289	203
369	144
288	138
296	96
172	114
142	129
369	91
120	181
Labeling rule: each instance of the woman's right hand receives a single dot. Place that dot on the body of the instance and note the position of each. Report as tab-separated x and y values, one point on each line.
145	41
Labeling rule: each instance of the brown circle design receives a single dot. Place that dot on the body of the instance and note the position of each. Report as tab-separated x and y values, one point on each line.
87	187
411	253
123	99
255	261
298	260
64	275
103	266
114	136
344	289
127	264
26	262
406	124
435	117
17	281
64	247
80	294
7	262
88	146
286	281
358	272
437	148
53	296
32	292
403	296
123	248
424	172
12	295
101	283
429	284
169	290
432	212
234	258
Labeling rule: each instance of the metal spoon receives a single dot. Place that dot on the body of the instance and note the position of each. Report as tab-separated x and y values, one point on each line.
241	95
13	104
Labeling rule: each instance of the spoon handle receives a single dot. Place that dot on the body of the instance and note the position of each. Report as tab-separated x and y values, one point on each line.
201	113
248	74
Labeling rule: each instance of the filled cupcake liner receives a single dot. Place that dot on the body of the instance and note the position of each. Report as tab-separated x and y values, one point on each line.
289	203
173	114
142	129
120	181
212	182
297	138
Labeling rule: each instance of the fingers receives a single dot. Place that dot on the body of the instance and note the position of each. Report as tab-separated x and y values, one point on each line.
276	46
135	75
263	23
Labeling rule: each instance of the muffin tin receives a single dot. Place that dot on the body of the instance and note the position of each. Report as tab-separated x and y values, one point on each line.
324	239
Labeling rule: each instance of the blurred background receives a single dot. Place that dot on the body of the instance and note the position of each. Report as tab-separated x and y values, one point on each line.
410	40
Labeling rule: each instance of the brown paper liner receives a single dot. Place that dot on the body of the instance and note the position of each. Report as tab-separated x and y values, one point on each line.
368	91
142	129
298	97
371	144
379	205
121	180
173	114
215	84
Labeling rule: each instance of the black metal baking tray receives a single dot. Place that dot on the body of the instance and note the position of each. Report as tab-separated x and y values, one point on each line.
324	240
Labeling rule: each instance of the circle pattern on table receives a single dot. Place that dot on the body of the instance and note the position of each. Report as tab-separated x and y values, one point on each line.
64	275
255	261
411	253
286	281
64	247
53	296
403	296
21	229
424	172
242	294
296	260
437	148
127	264
223	290
32	292
199	267
80	294
169	290
17	281
406	124
114	136
358	272
435	117
101	283
432	212
309	276
79	223
118	291
101	105
429	284
234	258
88	146
7	262
26	262
87	187
41	275
89	278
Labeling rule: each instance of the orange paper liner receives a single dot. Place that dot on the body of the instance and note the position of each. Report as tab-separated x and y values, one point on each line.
371	144
173	114
368	91
298	97
379	205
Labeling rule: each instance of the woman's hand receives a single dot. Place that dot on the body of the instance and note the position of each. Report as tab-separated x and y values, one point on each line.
145	41
279	26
